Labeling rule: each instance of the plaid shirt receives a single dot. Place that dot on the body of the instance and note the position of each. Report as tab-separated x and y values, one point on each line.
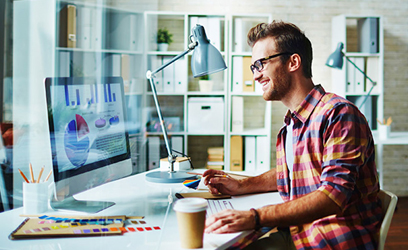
334	153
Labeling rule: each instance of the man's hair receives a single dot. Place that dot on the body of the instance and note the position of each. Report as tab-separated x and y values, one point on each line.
288	38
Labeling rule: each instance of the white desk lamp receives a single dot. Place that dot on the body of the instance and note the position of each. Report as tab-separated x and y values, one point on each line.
335	60
206	59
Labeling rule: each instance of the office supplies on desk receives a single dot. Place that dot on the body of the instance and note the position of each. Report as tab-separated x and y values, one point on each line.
22	174
68	226
40	174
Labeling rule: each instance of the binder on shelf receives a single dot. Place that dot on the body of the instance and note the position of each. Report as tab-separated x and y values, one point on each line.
359	77
237	86
372	69
168	76
125	71
180	76
250	153
368	35
236	159
247	79
97	28
134	32
84	27
262	154
123	31
156	62
237	113
116	65
153	152
64	64
214	31
238	35
68	26
350	71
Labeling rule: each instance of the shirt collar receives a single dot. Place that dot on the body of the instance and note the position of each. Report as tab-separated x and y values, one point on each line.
303	111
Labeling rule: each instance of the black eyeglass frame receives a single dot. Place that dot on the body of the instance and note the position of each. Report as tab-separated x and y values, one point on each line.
260	62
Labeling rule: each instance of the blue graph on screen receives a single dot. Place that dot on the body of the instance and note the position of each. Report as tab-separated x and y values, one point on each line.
76	141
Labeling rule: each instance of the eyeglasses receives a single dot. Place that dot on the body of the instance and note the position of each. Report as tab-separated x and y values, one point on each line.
258	64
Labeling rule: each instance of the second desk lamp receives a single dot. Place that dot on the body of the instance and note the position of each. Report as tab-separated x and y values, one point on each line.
335	60
206	59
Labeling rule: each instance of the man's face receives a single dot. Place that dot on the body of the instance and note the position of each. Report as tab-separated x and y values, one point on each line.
274	77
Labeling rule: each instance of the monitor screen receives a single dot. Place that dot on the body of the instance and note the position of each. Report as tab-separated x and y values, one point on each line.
89	140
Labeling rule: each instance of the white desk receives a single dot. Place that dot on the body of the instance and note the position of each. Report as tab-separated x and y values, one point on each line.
133	196
395	138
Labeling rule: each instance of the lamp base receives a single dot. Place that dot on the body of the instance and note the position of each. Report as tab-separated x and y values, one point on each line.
167	177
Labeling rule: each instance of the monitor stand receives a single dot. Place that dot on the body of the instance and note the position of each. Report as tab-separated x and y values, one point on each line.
70	203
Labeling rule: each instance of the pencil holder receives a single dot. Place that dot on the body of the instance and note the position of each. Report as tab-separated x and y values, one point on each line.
384	131
35	197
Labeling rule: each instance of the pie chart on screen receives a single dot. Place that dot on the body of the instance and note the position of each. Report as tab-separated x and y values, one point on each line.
76	141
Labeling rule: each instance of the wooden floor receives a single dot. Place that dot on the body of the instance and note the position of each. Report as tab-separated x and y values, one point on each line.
397	235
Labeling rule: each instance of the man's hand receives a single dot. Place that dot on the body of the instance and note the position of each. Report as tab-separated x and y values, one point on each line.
230	221
224	185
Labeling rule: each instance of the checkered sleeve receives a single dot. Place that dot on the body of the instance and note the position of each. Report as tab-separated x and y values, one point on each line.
345	145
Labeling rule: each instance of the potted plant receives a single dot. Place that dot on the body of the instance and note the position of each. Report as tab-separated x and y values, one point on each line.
205	83
164	38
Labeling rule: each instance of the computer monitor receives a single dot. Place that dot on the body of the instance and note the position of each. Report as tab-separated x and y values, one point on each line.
89	140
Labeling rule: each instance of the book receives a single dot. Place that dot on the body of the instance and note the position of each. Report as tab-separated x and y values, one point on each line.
68	26
68	226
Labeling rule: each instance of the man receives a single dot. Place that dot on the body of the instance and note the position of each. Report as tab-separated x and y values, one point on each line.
325	169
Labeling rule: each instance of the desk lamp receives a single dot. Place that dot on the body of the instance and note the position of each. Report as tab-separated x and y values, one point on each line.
335	60
206	59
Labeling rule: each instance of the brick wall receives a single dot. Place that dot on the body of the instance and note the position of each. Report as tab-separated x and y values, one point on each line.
314	17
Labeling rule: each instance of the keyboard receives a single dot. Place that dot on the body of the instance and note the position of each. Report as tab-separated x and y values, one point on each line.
215	206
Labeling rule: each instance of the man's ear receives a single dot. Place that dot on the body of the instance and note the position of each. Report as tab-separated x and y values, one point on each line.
295	62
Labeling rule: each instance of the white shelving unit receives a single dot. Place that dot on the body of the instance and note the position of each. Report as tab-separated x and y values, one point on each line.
175	104
350	30
367	53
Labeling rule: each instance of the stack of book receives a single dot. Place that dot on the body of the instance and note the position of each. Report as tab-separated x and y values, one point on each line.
215	158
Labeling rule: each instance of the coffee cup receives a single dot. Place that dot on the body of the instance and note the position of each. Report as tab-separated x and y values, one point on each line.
191	221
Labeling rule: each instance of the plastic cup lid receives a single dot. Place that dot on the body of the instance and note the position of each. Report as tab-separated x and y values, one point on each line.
190	205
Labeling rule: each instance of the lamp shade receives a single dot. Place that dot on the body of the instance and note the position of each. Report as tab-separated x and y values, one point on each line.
335	60
206	59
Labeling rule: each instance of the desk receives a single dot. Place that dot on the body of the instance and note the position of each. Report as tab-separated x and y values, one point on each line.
133	196
395	138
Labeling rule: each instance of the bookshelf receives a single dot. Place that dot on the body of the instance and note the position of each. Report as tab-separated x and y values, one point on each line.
195	130
353	32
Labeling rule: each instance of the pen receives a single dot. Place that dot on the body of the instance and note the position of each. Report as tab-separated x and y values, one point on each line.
216	175
39	176
31	173
22	174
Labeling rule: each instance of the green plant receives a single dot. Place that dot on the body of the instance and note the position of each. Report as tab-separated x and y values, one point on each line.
204	77
164	36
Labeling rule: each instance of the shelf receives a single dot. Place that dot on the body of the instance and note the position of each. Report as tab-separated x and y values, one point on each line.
110	51
252	132
361	54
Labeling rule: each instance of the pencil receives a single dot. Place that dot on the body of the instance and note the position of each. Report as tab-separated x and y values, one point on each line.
22	174
216	175
39	175
31	173
48	176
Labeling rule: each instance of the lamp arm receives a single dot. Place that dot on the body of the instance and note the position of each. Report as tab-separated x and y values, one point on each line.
374	83
150	75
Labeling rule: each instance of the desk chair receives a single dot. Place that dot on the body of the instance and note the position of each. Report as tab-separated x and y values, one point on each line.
388	204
